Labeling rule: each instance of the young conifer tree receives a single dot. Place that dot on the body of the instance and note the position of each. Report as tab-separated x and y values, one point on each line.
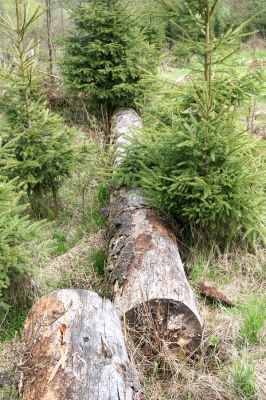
106	56
200	165
42	145
16	228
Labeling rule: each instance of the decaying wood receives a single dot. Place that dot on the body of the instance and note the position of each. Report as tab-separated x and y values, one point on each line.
150	289
214	294
76	350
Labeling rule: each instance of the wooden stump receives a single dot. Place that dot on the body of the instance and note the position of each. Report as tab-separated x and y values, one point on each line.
76	350
150	288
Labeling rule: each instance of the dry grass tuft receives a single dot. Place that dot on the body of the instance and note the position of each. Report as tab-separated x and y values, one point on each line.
11	353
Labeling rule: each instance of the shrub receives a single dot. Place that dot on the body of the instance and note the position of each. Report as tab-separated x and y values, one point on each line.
43	151
41	144
16	231
197	164
106	56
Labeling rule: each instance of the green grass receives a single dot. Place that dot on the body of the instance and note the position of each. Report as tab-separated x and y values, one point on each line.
60	241
88	221
172	74
254	316
202	271
243	379
240	65
9	393
12	320
85	273
250	54
98	259
94	219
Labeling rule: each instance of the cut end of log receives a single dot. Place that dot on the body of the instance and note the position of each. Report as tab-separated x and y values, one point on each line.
165	323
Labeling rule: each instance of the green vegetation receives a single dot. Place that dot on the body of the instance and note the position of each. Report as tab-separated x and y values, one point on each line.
9	393
200	159
87	272
210	272
198	165
243	379
16	230
12	321
106	56
228	13
148	15
60	241
42	146
254	317
98	261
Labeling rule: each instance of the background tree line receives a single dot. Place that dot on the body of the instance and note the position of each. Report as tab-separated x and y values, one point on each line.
55	21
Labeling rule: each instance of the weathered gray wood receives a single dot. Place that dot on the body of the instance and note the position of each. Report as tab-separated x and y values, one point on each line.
76	350
150	287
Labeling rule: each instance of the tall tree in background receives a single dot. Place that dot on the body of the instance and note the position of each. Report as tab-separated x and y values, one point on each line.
240	11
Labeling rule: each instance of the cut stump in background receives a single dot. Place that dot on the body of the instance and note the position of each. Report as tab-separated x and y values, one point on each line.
150	288
76	350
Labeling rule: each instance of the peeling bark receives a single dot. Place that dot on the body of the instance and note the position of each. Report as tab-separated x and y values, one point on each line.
150	288
76	350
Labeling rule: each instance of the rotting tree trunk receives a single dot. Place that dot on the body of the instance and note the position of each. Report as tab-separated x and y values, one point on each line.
150	288
76	350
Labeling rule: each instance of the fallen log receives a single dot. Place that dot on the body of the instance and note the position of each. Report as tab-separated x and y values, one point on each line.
150	288
76	350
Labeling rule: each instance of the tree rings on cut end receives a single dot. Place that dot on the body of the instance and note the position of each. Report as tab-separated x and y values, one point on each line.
165	323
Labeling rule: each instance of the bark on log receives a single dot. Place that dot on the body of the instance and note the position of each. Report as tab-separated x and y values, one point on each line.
150	288
76	350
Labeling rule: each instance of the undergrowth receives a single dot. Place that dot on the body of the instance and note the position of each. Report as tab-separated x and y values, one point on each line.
243	379
12	321
254	316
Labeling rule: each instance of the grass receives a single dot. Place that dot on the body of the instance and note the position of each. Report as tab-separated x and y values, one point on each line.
9	393
254	317
12	321
220	370
212	272
253	54
243	379
171	74
207	270
98	259
85	273
60	241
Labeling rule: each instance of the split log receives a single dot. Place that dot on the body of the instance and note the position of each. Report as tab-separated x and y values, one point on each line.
76	350
150	288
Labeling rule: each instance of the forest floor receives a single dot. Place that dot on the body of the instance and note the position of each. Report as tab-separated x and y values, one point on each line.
231	361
